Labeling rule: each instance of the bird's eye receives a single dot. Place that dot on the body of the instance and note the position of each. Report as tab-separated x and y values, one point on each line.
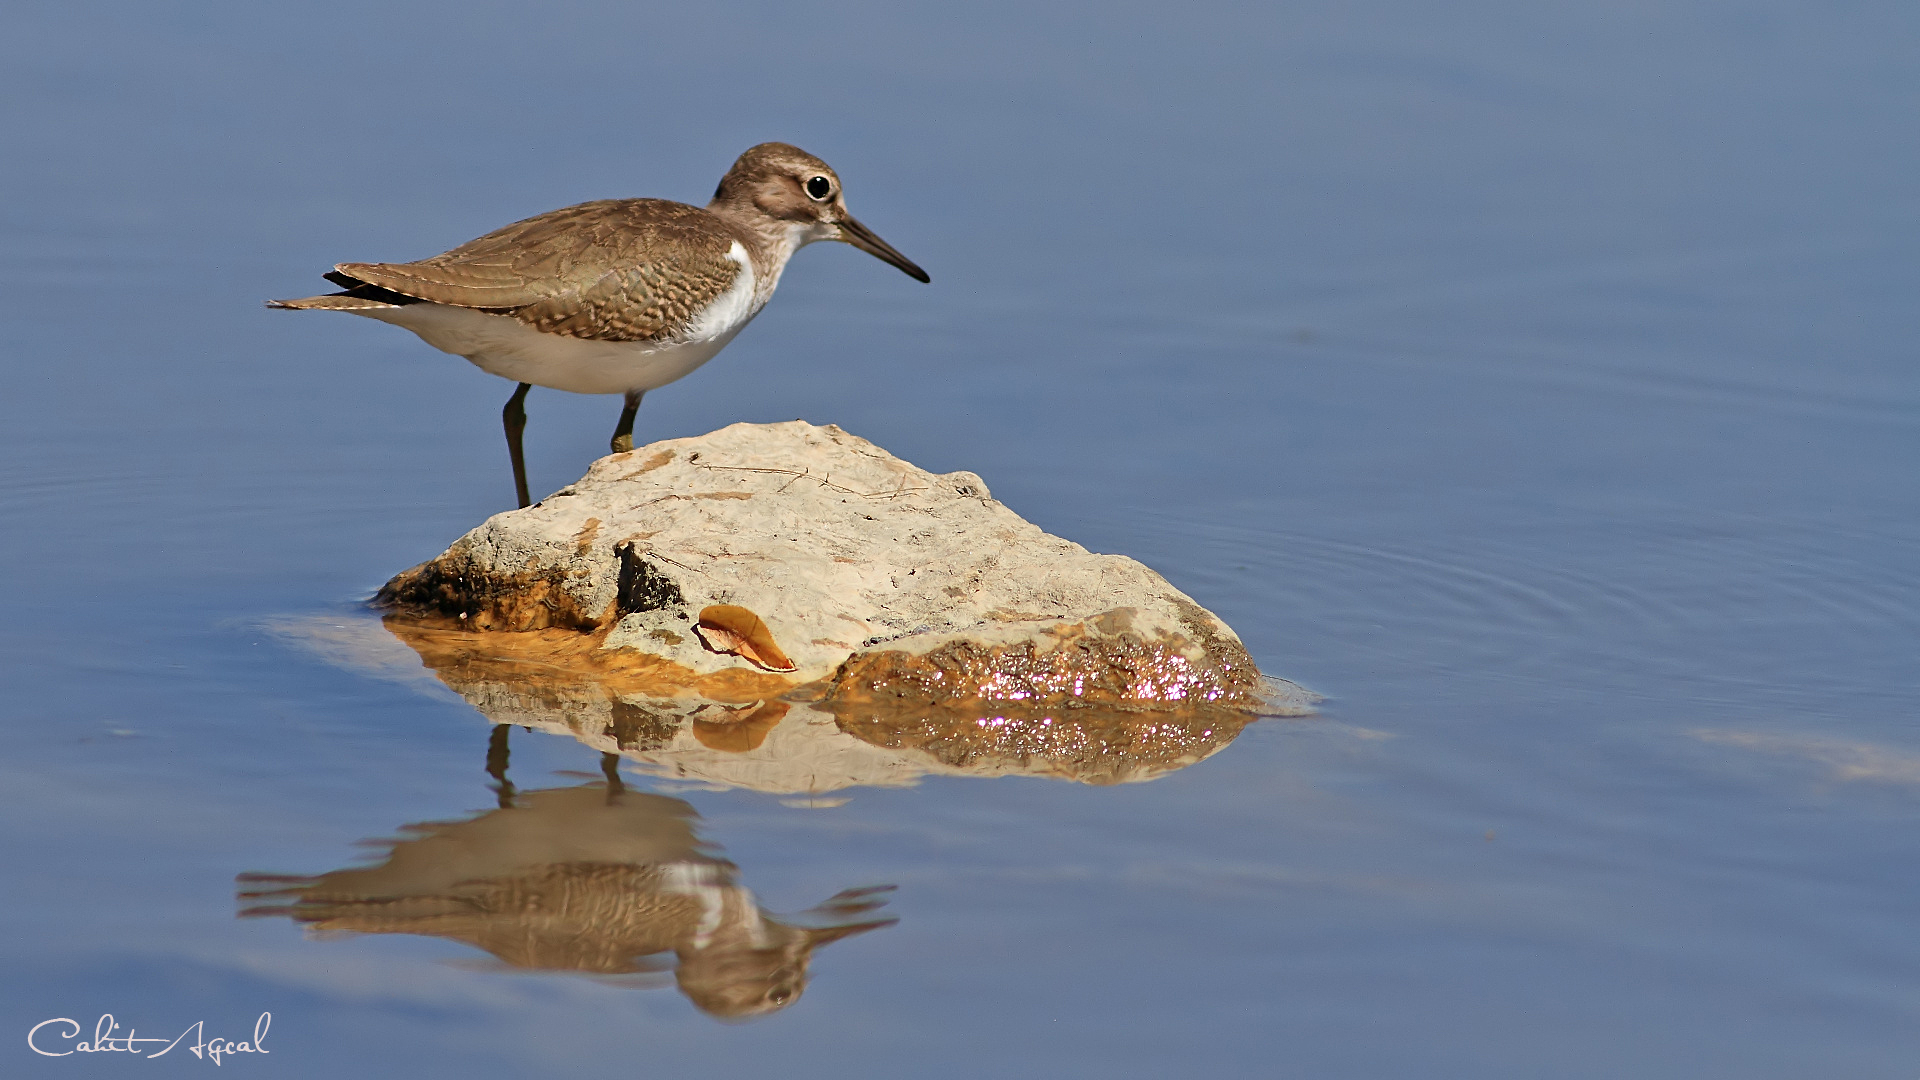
819	188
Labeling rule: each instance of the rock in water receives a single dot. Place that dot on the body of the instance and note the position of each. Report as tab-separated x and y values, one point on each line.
748	562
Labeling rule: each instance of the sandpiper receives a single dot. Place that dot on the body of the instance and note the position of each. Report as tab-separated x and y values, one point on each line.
616	296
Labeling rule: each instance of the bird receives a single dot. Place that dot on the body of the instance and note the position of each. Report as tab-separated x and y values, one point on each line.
615	296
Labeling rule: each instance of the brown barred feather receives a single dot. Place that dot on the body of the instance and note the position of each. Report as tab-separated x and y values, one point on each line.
612	270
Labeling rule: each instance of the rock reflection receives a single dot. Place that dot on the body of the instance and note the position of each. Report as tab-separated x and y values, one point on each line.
764	736
594	879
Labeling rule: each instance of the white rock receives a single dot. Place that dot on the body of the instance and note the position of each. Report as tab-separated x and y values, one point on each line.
883	583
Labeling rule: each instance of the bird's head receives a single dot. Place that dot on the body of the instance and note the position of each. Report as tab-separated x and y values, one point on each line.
784	185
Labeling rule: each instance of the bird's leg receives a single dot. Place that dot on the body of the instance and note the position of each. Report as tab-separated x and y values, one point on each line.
623	434
514	416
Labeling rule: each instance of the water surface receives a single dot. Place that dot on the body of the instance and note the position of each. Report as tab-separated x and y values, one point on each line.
1539	385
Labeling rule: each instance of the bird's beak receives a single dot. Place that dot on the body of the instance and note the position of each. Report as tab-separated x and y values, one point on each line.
852	232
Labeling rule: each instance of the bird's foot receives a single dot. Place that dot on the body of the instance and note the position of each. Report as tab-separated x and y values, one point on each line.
622	443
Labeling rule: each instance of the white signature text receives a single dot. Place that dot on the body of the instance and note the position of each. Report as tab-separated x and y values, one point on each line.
105	1041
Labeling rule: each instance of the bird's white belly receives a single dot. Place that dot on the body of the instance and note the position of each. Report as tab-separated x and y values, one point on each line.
507	347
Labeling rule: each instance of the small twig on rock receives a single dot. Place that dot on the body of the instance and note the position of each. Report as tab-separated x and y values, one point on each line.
824	481
653	553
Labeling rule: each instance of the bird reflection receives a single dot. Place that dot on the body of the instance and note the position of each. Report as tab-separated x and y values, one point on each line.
594	879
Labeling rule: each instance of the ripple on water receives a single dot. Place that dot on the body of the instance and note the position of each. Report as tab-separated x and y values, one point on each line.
1645	608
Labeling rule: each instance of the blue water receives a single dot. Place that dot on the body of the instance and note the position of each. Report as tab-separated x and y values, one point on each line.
1537	384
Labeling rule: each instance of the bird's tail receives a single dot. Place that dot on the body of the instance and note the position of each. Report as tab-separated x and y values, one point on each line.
359	296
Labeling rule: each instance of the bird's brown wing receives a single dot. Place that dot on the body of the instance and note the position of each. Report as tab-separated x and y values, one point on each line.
614	270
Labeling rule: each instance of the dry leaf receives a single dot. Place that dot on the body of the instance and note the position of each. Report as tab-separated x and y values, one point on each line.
729	628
